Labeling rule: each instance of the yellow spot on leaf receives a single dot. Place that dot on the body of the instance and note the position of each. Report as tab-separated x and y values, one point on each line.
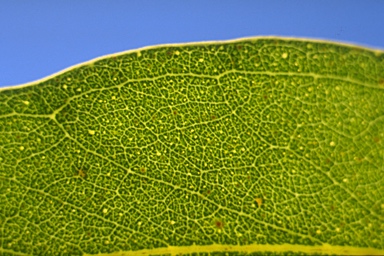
82	173
259	201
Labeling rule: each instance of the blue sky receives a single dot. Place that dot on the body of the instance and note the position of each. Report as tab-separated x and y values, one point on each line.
39	38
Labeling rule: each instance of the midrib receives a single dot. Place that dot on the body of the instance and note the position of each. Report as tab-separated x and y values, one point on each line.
306	249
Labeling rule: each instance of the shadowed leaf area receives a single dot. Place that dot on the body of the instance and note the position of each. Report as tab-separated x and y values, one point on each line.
238	147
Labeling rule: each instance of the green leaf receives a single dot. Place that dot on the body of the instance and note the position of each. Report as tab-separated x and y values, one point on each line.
261	145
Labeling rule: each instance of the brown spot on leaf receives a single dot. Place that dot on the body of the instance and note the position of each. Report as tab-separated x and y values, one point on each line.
359	159
219	224
381	82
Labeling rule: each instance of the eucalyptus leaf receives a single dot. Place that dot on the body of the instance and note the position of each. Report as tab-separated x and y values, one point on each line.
261	145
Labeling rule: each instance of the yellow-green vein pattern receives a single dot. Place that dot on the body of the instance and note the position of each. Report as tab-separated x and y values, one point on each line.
259	145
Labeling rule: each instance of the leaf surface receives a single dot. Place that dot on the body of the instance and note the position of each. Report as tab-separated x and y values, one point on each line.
261	145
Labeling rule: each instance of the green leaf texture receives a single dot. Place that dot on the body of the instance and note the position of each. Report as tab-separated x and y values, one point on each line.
260	145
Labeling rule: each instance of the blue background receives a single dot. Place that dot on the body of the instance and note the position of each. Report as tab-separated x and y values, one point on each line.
38	38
